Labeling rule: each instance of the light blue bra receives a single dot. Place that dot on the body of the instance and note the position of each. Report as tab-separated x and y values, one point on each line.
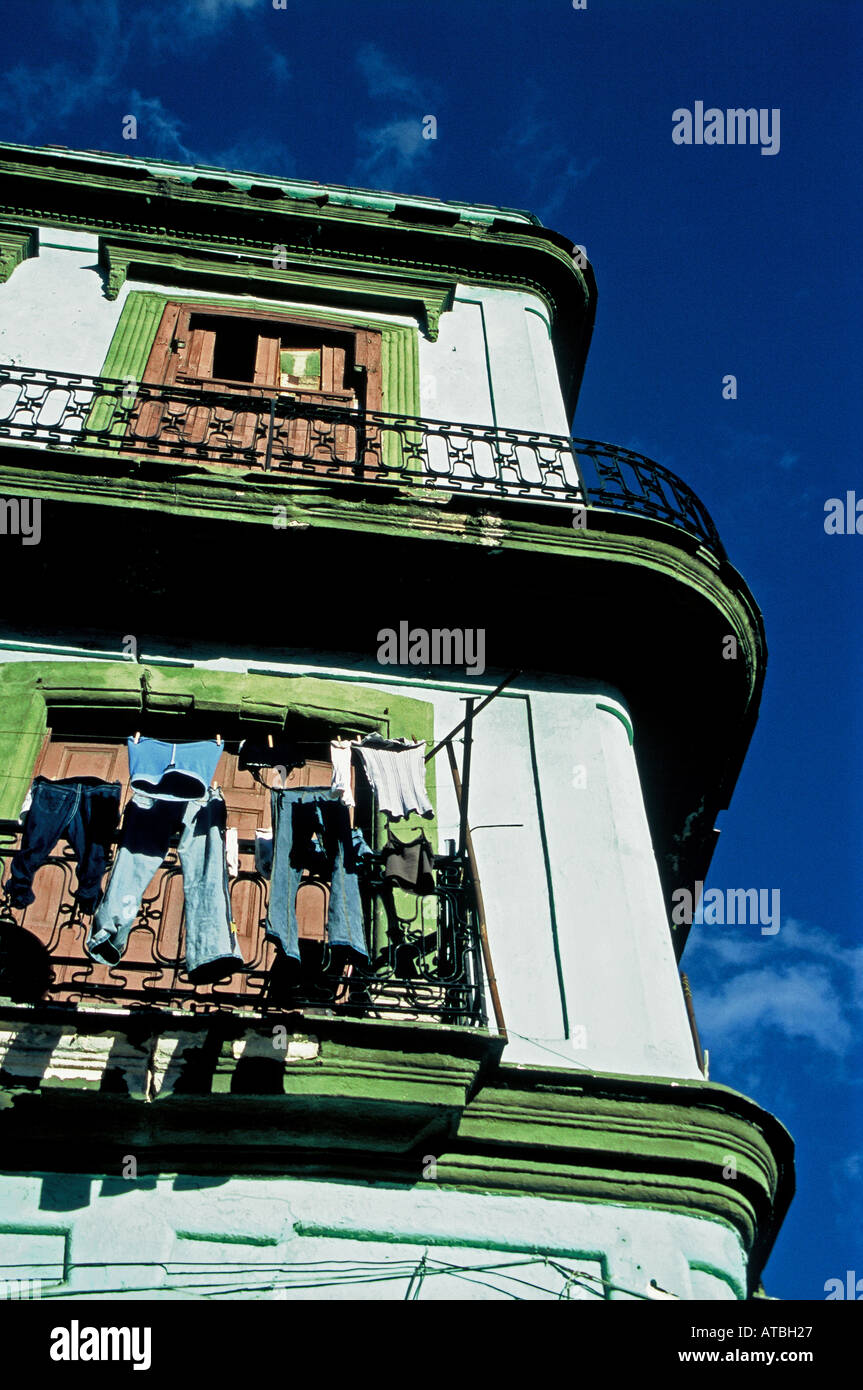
173	771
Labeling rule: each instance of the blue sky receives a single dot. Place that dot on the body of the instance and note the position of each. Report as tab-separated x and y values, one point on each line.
709	260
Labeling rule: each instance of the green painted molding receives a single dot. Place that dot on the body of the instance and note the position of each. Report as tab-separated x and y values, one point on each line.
428	294
31	690
222	492
373	1097
618	714
17	244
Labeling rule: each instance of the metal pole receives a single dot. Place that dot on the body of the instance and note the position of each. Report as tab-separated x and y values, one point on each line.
268	459
480	905
693	1026
481	706
465	777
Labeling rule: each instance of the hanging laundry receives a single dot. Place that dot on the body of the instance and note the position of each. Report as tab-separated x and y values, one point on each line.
256	754
83	810
264	852
232	851
173	771
312	830
149	822
409	864
340	756
396	772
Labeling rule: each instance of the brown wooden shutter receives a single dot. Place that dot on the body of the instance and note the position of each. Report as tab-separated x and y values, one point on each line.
267	361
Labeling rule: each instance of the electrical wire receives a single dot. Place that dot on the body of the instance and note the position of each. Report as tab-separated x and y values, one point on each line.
324	1274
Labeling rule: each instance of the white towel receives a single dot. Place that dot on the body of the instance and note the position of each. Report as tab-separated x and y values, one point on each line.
232	851
340	754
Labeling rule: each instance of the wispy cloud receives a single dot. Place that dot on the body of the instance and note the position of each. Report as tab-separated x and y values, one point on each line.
260	154
391	152
394	150
213	11
808	989
37	101
796	1000
158	130
382	75
550	166
280	67
30	93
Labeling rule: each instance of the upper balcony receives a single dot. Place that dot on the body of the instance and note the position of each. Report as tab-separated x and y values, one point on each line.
276	437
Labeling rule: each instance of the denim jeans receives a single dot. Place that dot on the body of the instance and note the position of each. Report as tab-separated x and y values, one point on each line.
312	830
84	811
148	826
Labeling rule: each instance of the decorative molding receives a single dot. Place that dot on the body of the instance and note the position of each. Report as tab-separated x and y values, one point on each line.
427	295
17	244
368	1099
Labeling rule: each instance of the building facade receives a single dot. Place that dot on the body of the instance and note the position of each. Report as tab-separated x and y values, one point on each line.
284	466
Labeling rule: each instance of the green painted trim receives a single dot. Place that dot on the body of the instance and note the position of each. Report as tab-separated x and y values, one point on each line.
29	690
724	1275
618	714
305	189
139	320
375	1097
353	280
541	317
17	244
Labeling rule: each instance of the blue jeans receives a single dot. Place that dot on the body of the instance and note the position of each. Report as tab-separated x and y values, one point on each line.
83	810
147	829
312	830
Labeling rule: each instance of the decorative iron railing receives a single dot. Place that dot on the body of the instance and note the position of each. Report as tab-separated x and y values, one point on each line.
424	951
268	431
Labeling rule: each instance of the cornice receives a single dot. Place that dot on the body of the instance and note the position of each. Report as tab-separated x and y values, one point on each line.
505	254
222	492
372	1101
420	292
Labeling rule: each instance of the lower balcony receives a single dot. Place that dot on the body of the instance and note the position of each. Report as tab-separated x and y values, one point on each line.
275	435
424	952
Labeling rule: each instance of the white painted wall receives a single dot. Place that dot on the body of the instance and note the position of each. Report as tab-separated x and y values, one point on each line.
254	1231
493	363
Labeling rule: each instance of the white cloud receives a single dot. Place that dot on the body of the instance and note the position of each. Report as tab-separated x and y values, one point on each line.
158	130
383	78
392	151
549	166
803	983
219	9
280	67
799	1001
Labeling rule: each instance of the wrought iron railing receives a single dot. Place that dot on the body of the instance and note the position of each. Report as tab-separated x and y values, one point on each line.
424	951
264	430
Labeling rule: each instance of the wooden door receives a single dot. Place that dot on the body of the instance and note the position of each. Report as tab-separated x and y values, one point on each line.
192	349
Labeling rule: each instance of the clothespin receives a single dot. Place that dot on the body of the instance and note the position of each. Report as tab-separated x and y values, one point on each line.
137	737
269	740
219	739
